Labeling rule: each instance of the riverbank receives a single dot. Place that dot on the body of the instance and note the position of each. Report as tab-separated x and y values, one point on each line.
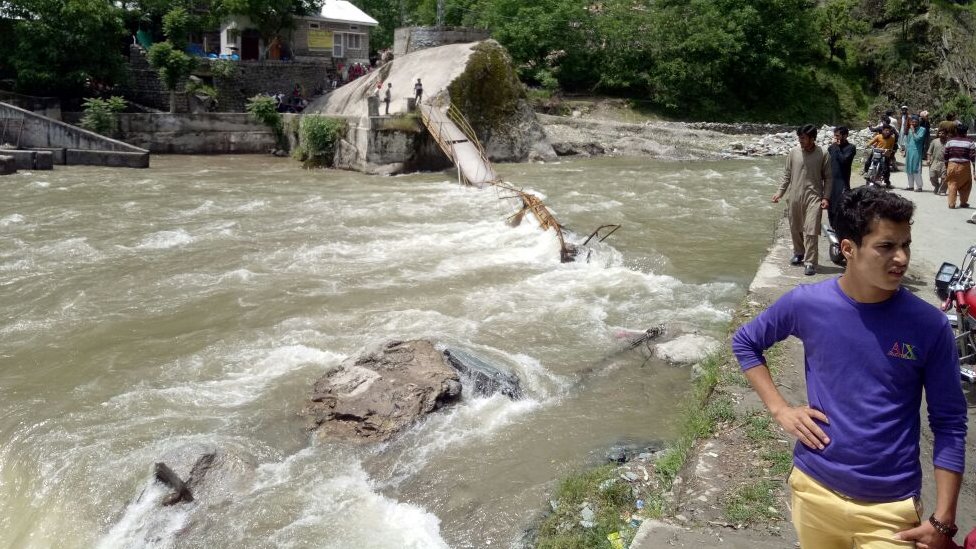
737	470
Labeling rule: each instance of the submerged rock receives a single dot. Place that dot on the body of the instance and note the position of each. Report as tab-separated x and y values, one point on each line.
686	349
375	396
209	474
486	379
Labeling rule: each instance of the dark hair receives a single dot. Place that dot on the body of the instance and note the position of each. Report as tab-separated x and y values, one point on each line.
889	112
808	130
887	127
842	130
961	130
865	205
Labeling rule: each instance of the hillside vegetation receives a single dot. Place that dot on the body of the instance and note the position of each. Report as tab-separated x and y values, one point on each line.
822	61
764	60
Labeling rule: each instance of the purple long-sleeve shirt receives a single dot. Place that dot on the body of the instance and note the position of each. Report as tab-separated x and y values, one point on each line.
866	366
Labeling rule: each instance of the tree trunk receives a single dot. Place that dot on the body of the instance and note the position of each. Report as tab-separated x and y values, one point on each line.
172	101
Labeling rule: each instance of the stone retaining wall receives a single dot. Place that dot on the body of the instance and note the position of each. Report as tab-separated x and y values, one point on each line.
251	78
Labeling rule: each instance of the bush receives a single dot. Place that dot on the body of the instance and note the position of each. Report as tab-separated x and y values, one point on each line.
265	111
101	115
224	68
317	139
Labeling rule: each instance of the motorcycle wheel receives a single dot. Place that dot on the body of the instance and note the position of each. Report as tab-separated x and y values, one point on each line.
966	345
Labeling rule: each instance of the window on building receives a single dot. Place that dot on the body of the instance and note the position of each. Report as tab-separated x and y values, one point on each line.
313	26
354	41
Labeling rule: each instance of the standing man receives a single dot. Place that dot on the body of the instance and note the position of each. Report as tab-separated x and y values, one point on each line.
388	96
806	185
841	155
960	155
871	349
936	160
418	90
924	122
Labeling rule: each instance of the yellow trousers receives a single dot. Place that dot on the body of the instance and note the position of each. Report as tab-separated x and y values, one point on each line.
825	519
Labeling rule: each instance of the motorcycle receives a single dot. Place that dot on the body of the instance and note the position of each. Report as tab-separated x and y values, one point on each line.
956	287
877	167
836	257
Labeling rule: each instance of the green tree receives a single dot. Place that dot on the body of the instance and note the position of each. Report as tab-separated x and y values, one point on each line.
837	20
173	66
102	115
176	27
902	11
720	57
271	17
64	47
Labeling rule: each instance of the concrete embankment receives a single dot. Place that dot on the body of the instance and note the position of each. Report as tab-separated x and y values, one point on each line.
721	463
66	144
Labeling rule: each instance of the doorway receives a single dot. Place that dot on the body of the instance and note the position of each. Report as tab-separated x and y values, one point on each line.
250	45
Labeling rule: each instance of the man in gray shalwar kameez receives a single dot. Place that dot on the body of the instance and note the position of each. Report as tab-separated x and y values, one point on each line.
806	186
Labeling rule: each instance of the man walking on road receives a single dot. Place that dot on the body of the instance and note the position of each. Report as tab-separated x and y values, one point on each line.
871	348
418	91
388	96
960	155
806	186
936	161
841	154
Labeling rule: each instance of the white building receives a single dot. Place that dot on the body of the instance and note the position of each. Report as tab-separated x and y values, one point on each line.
339	32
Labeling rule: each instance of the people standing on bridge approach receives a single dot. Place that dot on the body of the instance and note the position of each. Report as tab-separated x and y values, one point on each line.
418	91
806	186
936	159
871	349
388	96
914	149
960	155
841	154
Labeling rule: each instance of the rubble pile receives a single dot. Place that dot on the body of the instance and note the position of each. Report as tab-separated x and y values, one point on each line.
778	144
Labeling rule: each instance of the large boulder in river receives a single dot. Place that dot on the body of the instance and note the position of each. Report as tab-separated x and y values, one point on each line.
375	396
478	78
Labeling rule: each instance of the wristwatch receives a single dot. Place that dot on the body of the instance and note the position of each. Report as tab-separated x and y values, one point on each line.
946	530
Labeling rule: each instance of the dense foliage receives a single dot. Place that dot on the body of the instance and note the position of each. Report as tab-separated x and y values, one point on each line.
264	109
102	115
62	47
318	137
770	60
774	60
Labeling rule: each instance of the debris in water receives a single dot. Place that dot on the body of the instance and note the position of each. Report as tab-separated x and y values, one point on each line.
166	475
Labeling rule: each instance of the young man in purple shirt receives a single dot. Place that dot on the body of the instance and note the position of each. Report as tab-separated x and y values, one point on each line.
871	349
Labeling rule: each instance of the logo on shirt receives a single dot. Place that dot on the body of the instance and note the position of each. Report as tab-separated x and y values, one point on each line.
902	350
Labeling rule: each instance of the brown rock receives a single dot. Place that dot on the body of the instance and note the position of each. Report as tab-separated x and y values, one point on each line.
375	396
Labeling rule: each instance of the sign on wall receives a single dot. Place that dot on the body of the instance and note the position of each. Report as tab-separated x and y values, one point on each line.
319	39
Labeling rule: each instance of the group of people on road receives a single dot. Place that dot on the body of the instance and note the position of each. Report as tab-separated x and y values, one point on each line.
872	349
815	180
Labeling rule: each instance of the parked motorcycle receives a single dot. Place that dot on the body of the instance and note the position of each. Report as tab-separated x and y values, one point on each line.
956	287
836	257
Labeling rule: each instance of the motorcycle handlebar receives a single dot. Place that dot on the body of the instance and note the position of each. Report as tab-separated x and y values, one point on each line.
961	299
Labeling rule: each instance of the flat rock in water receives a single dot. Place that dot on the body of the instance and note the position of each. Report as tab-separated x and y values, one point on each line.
485	378
373	397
